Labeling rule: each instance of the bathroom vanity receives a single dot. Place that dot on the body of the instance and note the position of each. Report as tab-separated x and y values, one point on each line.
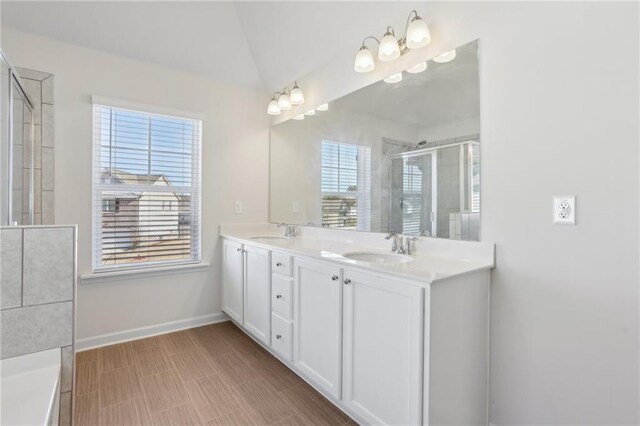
389	338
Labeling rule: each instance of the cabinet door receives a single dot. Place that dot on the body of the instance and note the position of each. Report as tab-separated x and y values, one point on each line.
383	331
232	280
257	293
317	344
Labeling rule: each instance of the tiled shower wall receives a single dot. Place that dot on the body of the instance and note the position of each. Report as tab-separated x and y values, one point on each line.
37	292
39	88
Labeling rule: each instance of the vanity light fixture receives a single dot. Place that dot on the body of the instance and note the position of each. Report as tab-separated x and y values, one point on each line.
299	117
417	68
310	112
394	78
445	57
273	108
296	96
323	107
283	101
417	35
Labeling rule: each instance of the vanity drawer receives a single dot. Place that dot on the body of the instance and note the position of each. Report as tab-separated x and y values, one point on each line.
281	336
281	296
281	263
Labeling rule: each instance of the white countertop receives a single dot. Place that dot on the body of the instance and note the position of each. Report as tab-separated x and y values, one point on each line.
434	259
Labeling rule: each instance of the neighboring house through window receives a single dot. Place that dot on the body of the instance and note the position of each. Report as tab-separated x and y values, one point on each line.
147	181
346	186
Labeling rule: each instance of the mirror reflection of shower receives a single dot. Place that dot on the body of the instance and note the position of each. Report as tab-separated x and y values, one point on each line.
434	187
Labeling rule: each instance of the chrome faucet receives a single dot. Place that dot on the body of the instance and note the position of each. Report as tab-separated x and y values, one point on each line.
408	249
289	230
396	246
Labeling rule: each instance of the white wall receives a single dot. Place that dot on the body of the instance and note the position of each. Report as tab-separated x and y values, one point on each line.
559	115
235	156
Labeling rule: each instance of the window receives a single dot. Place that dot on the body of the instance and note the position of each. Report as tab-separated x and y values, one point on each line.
146	188
412	196
474	185
346	186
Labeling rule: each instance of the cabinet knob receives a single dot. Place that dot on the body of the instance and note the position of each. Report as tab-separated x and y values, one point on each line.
347	281
278	263
335	278
278	296
278	336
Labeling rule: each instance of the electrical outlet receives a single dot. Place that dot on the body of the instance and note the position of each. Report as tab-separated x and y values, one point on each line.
237	208
295	207
564	210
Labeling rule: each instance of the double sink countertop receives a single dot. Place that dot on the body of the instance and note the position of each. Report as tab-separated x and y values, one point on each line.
432	259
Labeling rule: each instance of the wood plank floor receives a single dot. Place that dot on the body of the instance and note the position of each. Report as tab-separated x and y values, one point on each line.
212	375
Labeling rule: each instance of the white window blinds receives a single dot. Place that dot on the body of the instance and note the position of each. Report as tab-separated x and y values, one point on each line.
346	186
146	188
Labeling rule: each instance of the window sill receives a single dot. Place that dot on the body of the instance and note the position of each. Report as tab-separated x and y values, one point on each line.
110	276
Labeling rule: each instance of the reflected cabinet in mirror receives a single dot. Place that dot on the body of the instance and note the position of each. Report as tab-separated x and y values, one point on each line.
401	155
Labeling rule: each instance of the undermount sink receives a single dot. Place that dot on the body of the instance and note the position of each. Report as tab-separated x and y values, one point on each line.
268	238
373	257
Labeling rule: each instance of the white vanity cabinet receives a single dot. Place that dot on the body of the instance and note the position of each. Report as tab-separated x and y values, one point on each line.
233	280
257	293
317	307
383	331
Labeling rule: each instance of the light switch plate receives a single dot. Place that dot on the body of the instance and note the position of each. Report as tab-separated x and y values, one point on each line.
237	208
295	207
564	210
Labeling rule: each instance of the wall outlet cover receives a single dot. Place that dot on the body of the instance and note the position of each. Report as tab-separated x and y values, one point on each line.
295	207
564	210
237	208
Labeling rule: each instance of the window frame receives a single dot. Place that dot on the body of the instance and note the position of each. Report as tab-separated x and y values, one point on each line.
195	189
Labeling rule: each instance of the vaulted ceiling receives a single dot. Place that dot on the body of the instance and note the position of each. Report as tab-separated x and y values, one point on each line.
263	45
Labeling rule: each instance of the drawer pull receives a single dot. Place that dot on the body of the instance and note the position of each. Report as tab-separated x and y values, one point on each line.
347	281
278	336
278	296
278	263
334	278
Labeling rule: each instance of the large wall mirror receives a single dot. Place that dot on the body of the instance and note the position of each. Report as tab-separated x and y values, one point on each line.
395	156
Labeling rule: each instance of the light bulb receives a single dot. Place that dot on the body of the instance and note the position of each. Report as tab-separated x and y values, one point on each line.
364	60
418	34
299	117
323	107
417	68
310	112
445	57
284	102
273	108
296	97
394	78
389	49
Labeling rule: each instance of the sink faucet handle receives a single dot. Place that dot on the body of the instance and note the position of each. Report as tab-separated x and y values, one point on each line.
408	248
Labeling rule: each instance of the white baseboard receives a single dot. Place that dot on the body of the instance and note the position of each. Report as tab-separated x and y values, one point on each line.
148	331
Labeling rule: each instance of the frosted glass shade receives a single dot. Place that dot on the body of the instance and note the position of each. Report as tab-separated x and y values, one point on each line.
284	102
445	57
364	60
417	68
323	107
296	97
418	34
311	112
394	78
273	108
389	49
299	117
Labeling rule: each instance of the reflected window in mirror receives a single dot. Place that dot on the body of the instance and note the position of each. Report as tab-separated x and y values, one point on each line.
346	186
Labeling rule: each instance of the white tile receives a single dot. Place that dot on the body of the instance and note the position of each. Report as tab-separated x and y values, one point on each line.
65	409
48	169
37	146
48	265
11	267
67	369
37	191
48	216
47	90
35	328
34	91
48	126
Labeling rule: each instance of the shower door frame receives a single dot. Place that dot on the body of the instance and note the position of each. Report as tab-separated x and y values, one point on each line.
13	83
